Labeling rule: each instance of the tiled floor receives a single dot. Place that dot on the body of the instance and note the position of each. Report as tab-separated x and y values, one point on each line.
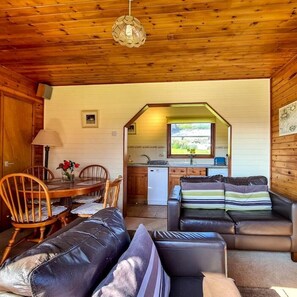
147	211
153	217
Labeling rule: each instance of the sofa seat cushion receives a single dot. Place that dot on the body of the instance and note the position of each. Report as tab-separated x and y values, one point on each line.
186	286
260	222
203	220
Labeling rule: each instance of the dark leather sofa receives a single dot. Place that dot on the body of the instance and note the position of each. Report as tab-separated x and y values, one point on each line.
73	261
267	230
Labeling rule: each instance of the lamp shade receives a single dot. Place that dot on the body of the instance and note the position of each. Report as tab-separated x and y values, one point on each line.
128	31
47	138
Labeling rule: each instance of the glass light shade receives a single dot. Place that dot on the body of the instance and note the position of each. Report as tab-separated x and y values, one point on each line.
47	138
128	31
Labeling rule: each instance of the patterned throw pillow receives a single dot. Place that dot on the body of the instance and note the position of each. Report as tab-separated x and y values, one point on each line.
253	197
203	195
139	271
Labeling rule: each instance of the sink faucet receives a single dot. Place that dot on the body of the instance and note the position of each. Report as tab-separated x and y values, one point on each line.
148	158
191	159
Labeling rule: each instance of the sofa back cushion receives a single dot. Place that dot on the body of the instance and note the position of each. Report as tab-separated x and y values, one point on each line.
71	263
246	180
139	271
243	198
202	179
203	195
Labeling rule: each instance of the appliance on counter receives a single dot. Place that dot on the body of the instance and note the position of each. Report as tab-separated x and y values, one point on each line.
219	161
157	186
214	171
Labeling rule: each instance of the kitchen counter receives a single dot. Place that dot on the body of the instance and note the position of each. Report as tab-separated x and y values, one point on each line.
179	165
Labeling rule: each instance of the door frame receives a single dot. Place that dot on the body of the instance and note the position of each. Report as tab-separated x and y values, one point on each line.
143	110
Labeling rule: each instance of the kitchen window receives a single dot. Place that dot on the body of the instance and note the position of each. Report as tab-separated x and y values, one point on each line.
187	139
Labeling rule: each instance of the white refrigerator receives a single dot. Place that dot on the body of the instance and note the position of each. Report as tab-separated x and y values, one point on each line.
157	185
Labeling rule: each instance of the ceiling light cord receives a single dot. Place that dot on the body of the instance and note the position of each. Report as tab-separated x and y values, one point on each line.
130	7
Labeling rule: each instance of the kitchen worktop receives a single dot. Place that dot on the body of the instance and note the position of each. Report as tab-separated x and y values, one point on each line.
179	165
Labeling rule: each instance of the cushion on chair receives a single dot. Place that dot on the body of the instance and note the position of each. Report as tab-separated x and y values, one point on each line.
251	197
86	199
139	271
56	210
87	209
203	195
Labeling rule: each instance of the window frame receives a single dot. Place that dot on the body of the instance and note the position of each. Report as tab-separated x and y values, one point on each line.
212	149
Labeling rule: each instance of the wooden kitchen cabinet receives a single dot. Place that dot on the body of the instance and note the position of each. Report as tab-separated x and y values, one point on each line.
196	171
175	173
137	185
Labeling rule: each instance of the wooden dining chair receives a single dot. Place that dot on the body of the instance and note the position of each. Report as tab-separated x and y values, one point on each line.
111	197
23	195
92	171
40	172
44	174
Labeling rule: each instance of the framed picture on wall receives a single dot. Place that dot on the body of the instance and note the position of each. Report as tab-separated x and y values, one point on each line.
288	119
132	129
89	118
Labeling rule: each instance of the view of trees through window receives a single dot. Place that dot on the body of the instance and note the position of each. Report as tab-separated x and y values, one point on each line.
191	138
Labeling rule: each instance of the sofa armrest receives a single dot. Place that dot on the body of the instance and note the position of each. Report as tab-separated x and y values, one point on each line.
190	253
173	209
288	209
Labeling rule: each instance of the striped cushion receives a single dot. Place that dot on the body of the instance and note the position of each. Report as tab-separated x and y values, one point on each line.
254	197
138	272
203	195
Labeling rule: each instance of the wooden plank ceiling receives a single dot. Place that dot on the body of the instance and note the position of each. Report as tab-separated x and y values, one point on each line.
69	42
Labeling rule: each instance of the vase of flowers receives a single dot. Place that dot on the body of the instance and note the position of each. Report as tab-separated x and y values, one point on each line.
68	167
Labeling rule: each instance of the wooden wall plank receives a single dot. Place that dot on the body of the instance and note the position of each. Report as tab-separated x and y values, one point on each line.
283	148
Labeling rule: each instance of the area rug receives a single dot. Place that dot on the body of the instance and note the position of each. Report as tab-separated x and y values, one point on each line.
257	292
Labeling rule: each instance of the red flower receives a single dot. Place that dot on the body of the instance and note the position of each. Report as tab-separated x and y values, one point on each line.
68	165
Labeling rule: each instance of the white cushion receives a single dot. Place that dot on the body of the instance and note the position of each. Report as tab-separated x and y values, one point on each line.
86	199
87	209
56	210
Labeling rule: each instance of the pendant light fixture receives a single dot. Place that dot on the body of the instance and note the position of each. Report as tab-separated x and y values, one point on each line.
128	31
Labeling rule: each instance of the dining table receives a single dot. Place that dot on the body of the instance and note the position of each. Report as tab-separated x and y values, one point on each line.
58	188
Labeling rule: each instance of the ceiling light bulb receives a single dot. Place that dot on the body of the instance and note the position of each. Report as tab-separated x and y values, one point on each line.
129	30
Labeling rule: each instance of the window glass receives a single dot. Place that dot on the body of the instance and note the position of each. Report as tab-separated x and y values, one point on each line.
190	139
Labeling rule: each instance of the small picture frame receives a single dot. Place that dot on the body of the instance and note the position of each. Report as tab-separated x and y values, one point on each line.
132	129
89	118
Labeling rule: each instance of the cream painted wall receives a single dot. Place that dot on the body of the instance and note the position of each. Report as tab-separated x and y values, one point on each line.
245	104
151	136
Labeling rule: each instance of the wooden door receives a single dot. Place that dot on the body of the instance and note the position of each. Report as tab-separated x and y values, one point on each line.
16	130
17	135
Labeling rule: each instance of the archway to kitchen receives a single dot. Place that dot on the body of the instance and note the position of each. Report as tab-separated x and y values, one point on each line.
146	135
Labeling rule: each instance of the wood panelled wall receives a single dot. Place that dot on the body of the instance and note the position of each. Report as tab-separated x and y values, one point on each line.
283	148
21	88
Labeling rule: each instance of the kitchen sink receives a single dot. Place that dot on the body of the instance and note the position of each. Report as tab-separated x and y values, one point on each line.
157	162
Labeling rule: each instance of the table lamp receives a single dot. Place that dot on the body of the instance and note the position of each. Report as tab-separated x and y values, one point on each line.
47	138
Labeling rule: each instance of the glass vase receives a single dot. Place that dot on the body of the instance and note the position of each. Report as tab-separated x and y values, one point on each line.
68	176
